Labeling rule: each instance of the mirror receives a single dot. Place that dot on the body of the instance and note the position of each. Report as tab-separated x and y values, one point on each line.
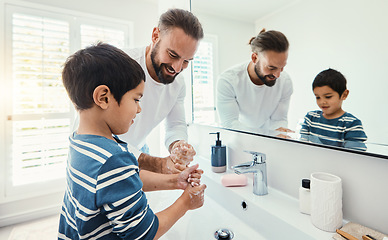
349	36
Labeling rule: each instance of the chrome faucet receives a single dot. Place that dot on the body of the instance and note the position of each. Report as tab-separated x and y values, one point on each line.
259	169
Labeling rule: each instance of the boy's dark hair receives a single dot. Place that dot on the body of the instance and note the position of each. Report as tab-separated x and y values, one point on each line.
182	19
332	78
100	64
269	41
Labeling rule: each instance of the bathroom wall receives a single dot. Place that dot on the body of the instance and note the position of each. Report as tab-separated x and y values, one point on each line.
365	178
346	35
232	48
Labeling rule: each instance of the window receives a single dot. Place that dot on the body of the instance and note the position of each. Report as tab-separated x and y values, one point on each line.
40	117
90	33
204	84
40	45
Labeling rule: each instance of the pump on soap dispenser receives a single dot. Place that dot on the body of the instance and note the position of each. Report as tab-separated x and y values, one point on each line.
218	157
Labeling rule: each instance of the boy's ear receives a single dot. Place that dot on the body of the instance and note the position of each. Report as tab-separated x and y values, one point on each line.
345	94
101	96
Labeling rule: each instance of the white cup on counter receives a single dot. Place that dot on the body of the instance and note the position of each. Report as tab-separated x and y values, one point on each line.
326	201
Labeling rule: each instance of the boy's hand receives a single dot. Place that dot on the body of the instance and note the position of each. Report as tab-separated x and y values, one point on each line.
190	176
182	154
194	196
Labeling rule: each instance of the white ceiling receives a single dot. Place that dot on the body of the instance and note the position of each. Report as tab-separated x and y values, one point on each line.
243	10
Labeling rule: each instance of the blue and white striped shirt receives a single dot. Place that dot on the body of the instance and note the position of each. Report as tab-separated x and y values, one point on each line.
345	131
104	197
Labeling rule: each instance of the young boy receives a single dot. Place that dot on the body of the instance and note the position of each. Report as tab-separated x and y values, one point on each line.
332	125
104	198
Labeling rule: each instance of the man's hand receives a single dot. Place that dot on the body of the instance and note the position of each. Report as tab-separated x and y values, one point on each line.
283	136
286	130
182	154
169	167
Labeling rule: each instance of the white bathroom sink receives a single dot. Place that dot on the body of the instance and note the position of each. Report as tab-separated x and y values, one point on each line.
201	223
273	216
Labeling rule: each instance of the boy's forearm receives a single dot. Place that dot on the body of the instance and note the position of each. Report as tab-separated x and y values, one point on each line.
168	217
156	181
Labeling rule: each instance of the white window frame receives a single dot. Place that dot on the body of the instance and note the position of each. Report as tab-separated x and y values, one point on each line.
212	38
8	192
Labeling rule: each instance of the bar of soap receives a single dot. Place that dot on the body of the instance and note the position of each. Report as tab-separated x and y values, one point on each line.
234	180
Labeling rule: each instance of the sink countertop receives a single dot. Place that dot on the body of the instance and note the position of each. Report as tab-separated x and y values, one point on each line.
276	203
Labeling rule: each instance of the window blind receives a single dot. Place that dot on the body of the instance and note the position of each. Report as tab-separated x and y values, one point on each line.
40	46
90	33
41	115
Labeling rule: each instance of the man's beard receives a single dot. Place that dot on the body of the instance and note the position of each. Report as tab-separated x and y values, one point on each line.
158	68
264	78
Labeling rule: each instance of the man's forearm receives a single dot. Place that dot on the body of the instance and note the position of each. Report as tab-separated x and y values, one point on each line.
156	164
151	163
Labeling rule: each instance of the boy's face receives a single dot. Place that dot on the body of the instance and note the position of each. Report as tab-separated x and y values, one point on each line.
329	101
122	115
171	53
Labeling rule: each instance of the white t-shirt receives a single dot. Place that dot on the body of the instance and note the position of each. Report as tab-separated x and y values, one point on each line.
159	102
242	105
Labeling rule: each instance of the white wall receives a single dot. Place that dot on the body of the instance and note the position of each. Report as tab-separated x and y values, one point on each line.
145	16
365	178
230	48
350	36
235	48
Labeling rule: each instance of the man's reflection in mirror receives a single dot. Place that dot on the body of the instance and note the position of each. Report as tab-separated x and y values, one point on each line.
255	95
332	125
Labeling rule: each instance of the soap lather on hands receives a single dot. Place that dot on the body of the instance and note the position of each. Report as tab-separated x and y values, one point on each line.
190	176
182	154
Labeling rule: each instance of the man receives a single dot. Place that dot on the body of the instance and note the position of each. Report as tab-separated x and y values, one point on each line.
174	43
255	96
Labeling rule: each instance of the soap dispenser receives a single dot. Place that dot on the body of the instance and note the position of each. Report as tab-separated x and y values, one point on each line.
218	157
